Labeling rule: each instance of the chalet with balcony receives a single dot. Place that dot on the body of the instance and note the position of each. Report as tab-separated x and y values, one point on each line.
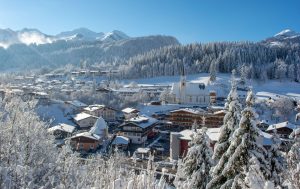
91	140
185	117
284	129
138	129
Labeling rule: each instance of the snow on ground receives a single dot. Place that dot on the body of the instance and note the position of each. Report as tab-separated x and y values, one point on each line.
53	113
287	88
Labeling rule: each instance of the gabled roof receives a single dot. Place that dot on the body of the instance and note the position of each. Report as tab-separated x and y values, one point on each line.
130	110
121	140
143	121
94	107
87	135
82	116
285	124
62	127
212	133
189	110
77	103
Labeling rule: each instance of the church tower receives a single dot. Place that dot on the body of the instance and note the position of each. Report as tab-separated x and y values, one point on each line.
182	86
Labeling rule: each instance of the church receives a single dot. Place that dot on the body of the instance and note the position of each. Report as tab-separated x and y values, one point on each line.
193	93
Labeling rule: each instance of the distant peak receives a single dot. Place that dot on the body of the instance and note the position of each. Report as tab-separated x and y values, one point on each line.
286	33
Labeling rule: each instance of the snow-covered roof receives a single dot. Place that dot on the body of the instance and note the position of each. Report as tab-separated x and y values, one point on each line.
212	133
62	127
143	150
189	110
87	135
81	116
99	127
266	138
121	140
143	121
220	112
216	107
94	107
282	125
77	103
130	110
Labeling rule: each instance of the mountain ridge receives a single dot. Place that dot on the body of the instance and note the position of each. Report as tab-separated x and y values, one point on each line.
30	36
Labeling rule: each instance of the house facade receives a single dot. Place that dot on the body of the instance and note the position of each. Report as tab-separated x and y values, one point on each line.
138	129
179	141
283	129
130	113
84	120
91	140
107	113
186	117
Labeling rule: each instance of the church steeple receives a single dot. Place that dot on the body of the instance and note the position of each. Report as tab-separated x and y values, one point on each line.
182	85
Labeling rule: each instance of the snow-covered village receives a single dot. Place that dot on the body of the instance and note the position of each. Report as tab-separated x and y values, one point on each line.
193	107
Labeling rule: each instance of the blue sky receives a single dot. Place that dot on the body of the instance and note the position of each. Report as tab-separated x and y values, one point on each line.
187	20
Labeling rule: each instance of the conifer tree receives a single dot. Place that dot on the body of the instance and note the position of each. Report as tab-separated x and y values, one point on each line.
274	157
197	163
293	161
231	120
243	147
231	123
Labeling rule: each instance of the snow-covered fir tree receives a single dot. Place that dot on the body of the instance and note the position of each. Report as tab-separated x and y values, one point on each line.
213	72
254	177
293	161
231	123
275	160
243	146
197	163
231	120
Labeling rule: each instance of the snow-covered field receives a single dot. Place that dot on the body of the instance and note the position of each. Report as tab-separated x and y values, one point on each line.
263	88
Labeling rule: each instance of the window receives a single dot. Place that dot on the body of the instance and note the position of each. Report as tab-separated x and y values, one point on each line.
80	146
91	146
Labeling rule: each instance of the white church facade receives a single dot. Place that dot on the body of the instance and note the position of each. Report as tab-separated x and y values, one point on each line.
193	93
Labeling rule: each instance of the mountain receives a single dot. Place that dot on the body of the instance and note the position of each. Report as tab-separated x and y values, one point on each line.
30	48
80	33
114	36
283	38
27	36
